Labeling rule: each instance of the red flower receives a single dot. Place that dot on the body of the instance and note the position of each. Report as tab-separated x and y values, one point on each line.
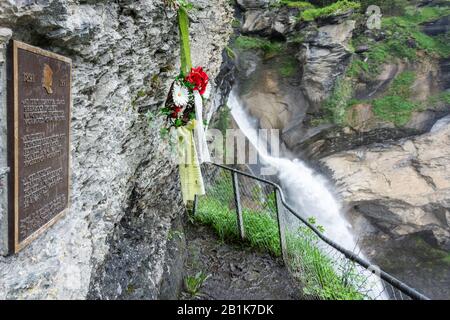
175	111
199	79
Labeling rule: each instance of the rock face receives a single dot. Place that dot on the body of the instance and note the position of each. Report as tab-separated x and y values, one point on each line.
5	34
402	188
272	99
274	23
325	55
253	4
124	183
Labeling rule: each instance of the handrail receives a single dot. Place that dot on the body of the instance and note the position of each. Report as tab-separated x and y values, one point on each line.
348	254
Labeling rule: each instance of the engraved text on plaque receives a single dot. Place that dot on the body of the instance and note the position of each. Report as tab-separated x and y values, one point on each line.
39	106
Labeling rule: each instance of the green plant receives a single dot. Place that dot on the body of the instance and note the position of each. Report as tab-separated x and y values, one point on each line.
194	283
230	52
357	67
261	228
337	104
388	7
396	106
403	38
175	234
316	271
293	4
288	67
252	43
405	28
332	9
236	23
446	259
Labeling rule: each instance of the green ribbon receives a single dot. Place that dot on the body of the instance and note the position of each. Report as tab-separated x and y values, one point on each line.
190	172
185	46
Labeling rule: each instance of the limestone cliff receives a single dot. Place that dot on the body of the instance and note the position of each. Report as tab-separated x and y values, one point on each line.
124	55
402	188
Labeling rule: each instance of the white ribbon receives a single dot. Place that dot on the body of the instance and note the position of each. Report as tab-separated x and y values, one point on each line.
202	146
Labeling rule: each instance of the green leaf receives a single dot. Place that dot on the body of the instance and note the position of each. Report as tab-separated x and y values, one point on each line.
165	111
164	132
178	123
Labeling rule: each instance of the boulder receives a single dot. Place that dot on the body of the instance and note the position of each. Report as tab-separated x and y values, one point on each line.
437	27
253	4
278	22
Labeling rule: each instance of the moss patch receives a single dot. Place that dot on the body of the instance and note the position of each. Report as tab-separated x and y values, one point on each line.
258	43
396	106
332	9
337	104
288	67
403	39
293	4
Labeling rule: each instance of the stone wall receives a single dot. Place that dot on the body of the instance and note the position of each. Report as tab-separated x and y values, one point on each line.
124	54
5	34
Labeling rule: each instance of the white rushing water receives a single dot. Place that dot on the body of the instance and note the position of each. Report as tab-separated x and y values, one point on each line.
308	192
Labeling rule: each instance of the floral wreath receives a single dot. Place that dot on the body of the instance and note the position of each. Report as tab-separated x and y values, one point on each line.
184	111
179	108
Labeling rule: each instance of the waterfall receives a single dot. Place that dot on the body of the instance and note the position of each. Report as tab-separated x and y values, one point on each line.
308	192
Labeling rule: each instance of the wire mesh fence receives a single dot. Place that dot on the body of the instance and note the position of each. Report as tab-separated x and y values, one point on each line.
244	208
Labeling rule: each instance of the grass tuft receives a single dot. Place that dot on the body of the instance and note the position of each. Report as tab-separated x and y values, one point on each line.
258	43
337	7
396	106
193	283
316	272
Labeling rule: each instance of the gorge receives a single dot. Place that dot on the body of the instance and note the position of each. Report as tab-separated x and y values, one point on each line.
363	114
367	109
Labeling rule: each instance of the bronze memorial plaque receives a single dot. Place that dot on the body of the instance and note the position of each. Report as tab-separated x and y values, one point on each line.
39	108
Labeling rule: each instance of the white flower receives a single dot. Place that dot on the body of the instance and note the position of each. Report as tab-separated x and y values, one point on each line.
180	95
207	91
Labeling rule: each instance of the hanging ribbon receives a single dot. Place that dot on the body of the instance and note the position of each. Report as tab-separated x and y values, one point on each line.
189	166
190	172
185	46
200	130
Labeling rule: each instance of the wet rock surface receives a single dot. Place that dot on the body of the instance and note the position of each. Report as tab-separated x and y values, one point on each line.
402	188
412	260
235	272
273	23
325	56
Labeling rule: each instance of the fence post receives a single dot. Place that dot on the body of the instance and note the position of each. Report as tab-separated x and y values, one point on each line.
195	205
237	200
280	218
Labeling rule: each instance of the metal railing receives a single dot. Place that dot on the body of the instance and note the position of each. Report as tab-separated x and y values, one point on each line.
247	208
